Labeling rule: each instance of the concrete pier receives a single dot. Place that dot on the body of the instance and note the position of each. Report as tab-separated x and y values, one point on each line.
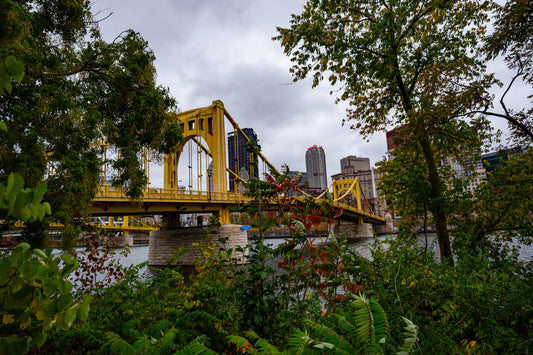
124	240
352	230
164	244
386	228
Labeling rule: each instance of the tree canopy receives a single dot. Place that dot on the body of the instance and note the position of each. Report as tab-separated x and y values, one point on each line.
78	92
513	38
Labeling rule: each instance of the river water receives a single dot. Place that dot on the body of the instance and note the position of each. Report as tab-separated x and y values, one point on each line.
139	254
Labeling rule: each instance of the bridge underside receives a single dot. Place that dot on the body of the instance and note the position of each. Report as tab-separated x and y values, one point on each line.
124	206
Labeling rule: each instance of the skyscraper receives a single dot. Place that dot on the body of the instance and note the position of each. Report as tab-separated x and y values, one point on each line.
352	164
315	162
239	157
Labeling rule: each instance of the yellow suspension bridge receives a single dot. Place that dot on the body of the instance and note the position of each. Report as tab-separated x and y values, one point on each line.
204	132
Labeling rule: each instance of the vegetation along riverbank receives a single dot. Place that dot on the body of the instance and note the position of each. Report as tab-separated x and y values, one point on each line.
419	66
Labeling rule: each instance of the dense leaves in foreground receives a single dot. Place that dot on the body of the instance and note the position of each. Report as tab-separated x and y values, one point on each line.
301	297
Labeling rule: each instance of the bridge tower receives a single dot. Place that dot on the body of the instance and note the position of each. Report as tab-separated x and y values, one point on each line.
351	189
207	123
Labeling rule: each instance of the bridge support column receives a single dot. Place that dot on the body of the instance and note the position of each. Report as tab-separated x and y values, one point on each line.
386	228
171	221
351	230
223	217
165	244
125	239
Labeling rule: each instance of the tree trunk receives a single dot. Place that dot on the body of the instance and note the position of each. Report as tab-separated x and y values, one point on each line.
436	204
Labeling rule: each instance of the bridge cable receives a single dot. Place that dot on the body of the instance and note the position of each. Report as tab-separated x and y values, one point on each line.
236	157
198	157
190	164
236	126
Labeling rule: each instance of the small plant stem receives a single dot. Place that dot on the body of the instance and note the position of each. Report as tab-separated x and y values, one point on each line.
396	289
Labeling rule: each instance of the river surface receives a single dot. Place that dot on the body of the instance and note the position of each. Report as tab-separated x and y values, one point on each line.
139	254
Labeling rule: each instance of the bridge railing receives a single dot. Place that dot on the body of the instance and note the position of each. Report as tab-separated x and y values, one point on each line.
164	193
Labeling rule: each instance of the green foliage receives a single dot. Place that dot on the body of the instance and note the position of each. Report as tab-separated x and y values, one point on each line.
411	337
22	203
36	298
361	329
98	93
498	212
511	38
383	53
145	344
11	69
478	300
260	346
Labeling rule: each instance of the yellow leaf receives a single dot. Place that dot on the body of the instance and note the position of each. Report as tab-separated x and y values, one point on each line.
41	315
8	318
25	324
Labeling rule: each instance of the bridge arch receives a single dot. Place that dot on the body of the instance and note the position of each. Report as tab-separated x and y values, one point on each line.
348	187
208	124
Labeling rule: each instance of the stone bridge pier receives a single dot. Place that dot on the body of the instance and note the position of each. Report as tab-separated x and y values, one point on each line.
351	230
165	244
360	230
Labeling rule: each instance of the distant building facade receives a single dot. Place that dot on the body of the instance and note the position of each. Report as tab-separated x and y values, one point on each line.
315	162
352	164
396	136
487	164
491	161
239	157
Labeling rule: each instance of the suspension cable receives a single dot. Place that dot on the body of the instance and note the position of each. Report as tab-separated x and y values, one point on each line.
190	166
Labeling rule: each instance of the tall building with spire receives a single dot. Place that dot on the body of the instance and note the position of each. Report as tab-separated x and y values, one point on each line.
315	162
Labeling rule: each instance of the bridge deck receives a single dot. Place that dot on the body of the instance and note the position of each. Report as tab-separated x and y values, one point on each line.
112	201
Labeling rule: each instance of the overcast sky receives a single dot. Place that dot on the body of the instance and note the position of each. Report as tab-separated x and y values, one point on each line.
222	50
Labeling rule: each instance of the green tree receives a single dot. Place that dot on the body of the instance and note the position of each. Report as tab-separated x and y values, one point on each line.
499	212
409	63
513	38
78	91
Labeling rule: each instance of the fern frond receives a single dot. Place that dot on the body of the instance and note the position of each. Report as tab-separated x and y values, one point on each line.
196	348
297	343
159	327
347	329
363	319
411	337
263	346
209	320
166	342
119	345
381	325
144	344
242	343
329	335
